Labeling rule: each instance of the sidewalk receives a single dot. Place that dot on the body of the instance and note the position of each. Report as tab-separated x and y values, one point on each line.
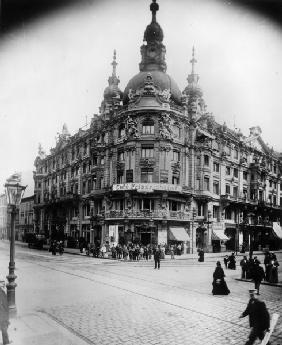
37	328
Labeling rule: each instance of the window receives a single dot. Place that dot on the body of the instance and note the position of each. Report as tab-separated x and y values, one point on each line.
235	191
227	189
228	151
146	204
95	160
206	160
228	213
147	152
228	171
270	183
148	127
119	178
147	175
121	131
274	169
206	183
245	193
215	212
216	188
235	172
236	154
176	131
216	167
173	205
121	156
129	175
275	185
102	160
245	175
176	156
175	179
84	168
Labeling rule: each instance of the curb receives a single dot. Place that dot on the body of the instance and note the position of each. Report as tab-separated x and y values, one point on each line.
262	283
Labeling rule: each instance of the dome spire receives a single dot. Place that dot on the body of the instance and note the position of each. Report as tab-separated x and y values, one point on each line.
193	78
154	7
114	64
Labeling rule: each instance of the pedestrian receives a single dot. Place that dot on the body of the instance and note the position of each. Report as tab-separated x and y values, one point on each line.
273	277
172	251
61	248
232	262
244	266
179	249
225	260
258	275
4	313
157	257
201	255
103	251
146	253
258	318
267	265
219	283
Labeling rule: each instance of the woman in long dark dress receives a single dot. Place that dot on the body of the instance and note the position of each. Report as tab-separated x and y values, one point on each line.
219	284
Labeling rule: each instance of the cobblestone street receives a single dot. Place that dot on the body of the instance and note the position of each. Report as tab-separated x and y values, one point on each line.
107	302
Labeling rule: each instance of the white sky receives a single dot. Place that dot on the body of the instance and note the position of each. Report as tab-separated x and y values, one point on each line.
54	70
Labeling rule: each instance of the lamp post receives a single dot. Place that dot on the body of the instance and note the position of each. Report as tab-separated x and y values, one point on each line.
192	232
14	193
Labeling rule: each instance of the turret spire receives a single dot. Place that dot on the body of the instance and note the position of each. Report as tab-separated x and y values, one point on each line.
193	60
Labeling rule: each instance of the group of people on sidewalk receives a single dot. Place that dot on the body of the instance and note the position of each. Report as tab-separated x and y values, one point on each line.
56	247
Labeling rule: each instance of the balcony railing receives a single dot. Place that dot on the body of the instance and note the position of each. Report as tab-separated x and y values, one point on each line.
147	214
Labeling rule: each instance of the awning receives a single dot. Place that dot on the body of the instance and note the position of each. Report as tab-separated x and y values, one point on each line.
178	234
219	235
277	229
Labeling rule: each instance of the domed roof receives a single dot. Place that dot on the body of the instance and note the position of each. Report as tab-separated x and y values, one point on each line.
160	79
112	91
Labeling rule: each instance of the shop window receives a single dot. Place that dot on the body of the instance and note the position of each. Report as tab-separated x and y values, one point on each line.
227	189
148	127
216	188
216	167
147	175
206	160
147	152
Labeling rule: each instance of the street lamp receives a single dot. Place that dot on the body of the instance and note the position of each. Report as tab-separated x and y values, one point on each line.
192	232
14	193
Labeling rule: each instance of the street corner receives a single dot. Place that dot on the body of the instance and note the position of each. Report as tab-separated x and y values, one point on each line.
38	328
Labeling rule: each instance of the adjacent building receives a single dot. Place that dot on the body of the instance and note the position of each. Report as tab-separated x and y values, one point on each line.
155	167
25	218
4	234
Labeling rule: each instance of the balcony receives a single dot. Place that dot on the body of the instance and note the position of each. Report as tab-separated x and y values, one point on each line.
147	214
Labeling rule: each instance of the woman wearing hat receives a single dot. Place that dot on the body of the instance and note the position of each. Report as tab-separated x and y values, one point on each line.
4	313
219	284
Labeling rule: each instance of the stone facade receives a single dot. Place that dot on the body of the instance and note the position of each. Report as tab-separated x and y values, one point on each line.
155	167
4	233
25	218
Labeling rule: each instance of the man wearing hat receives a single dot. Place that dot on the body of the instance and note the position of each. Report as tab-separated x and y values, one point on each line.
258	317
4	313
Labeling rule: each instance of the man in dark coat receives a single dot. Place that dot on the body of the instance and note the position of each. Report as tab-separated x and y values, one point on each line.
4	313
244	266
258	275
258	317
157	257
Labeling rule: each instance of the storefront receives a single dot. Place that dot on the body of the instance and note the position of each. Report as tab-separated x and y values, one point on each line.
179	235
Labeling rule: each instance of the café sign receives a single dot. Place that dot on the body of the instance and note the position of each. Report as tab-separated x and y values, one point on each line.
148	187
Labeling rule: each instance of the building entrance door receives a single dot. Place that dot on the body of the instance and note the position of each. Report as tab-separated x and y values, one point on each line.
145	238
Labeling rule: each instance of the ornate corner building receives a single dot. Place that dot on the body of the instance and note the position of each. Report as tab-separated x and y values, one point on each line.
155	167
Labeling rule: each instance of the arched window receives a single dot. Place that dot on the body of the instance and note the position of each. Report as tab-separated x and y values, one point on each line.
148	127
121	131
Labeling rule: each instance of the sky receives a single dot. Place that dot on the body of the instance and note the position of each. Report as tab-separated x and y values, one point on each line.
54	69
